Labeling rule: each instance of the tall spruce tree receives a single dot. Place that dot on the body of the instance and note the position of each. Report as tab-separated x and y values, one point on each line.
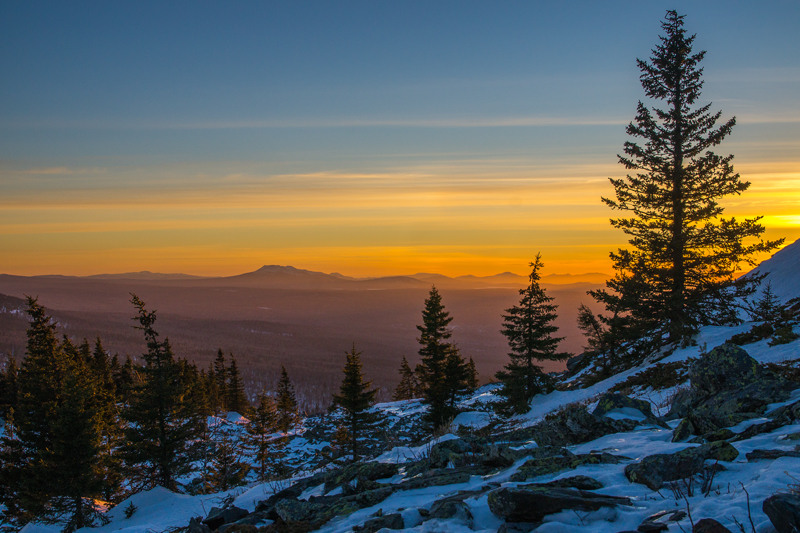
162	425
288	415
355	398
679	272
529	329
221	376
434	381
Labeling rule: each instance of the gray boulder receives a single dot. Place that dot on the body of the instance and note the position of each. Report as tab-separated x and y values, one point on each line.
783	510
389	521
654	470
216	517
533	504
709	525
450	451
614	401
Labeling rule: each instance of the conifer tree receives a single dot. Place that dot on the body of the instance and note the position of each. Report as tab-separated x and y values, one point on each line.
237	399
221	375
472	376
161	425
434	351
8	388
529	330
265	449
288	415
51	461
407	388
228	468
456	377
355	398
679	272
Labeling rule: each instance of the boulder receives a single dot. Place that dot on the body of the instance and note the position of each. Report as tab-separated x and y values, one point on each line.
574	482
389	521
572	425
361	472
727	387
439	477
196	526
217	516
449	452
238	528
783	510
709	525
613	401
660	521
551	460
654	470
533	504
771	455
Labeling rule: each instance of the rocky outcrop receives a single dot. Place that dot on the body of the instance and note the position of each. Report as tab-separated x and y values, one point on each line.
654	470
533	504
550	460
783	510
613	401
389	521
219	516
728	386
574	482
770	455
572	425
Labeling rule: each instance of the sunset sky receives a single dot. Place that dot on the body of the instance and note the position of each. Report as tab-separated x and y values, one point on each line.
367	138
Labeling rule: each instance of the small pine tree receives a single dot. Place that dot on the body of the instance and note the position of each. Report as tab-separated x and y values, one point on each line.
236	399
435	348
288	415
529	329
456	377
407	388
228	468
355	398
266	450
8	388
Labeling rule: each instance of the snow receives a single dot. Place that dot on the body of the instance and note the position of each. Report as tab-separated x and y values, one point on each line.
784	272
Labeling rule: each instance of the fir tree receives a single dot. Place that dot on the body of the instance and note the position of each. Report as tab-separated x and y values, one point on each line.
236	399
529	330
288	416
456	377
432	371
161	426
407	388
228	468
265	449
355	398
679	273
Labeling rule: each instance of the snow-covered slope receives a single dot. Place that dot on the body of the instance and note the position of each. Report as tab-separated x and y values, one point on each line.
784	272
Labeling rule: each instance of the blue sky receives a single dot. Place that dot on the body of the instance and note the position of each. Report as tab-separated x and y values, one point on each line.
114	100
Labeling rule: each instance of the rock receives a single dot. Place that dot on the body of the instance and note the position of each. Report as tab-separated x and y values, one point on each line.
452	451
659	521
362	472
683	431
572	425
709	525
758	429
727	367
574	482
652	527
783	510
755	455
612	401
196	526
238	528
251	519
727	387
389	521
451	508
299	511
439	477
654	470
550	460
533	504
499	457
216	517
517	527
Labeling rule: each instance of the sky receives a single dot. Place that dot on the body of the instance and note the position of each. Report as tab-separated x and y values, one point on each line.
367	138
